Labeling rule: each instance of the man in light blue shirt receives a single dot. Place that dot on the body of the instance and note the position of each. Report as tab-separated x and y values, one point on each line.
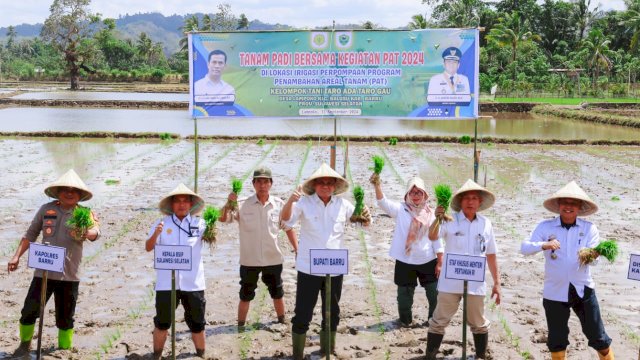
567	283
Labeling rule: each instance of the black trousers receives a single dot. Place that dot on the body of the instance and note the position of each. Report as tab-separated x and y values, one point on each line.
307	290
588	312
65	299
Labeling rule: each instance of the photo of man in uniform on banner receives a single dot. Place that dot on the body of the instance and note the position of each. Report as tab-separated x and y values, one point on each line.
449	86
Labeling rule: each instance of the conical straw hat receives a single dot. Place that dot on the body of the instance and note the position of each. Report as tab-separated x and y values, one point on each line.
197	201
419	184
325	171
487	196
69	179
571	191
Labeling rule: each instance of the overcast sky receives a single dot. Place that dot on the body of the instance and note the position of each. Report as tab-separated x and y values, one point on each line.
298	13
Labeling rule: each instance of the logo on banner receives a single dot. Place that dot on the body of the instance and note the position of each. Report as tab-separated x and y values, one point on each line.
319	40
343	40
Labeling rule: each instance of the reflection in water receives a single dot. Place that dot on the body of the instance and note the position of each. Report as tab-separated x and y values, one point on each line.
77	155
513	125
97	95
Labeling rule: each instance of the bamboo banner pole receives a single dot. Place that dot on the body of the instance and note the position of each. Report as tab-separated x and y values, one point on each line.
327	311
43	303
332	161
197	150
173	314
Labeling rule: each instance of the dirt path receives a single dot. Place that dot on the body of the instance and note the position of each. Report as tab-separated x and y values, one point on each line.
115	309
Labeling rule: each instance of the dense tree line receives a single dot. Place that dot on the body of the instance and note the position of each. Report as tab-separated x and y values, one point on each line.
525	46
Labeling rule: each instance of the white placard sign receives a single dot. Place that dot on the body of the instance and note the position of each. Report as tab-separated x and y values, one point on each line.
329	261
172	257
634	267
46	257
465	267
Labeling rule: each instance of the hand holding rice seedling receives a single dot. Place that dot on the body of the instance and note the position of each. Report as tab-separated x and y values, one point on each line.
378	164
360	213
210	216
80	221
236	188
609	249
443	196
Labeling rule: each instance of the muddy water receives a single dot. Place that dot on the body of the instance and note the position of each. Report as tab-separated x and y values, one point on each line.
511	125
101	95
118	273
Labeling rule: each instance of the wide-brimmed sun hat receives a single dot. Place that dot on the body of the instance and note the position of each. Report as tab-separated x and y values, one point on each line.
418	183
308	187
197	203
487	196
571	191
69	179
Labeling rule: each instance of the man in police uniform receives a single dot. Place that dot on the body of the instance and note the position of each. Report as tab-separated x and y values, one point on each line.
51	218
180	226
259	225
449	82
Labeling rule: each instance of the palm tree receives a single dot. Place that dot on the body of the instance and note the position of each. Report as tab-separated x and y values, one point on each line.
418	22
463	13
144	45
512	31
584	17
631	20
595	49
192	23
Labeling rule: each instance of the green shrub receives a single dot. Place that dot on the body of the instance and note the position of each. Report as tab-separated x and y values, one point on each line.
464	139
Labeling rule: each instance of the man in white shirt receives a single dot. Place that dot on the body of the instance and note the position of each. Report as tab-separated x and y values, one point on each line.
259	223
180	226
469	233
322	217
567	284
211	87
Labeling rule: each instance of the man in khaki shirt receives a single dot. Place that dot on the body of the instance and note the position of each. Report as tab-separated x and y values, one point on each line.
259	225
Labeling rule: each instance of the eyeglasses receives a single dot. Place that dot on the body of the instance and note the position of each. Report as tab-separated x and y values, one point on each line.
416	192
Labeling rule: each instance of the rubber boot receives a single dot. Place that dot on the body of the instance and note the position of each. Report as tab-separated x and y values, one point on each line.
559	355
480	341
405	302
65	339
26	334
432	296
609	355
433	344
298	341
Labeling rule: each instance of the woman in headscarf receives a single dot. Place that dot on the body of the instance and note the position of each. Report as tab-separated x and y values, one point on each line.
418	259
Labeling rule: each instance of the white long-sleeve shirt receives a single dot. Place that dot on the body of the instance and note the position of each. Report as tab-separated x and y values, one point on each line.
423	250
186	280
465	237
321	227
565	269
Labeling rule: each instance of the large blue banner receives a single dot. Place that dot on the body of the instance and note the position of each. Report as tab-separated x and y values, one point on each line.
422	74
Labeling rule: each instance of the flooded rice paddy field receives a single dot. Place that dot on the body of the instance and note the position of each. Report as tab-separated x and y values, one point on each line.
115	307
502	125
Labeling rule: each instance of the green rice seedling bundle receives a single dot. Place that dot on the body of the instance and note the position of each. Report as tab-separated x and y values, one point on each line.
358	195
378	164
210	216
79	222
443	198
236	188
609	249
